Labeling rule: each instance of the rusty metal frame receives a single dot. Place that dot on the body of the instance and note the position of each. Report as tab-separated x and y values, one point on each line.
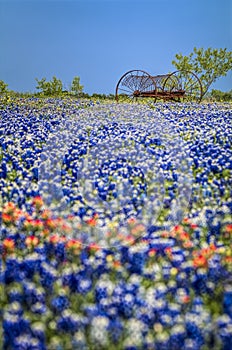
176	86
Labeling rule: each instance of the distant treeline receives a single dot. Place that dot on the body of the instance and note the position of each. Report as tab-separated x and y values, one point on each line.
208	64
213	96
219	96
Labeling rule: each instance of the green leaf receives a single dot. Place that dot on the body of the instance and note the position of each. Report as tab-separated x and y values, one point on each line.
209	64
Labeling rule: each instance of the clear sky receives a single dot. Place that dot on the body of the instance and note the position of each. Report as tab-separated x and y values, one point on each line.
100	40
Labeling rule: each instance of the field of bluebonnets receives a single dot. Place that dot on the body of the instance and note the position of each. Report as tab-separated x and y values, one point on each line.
115	225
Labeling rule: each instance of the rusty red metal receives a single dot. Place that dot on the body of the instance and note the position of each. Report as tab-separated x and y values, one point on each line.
176	86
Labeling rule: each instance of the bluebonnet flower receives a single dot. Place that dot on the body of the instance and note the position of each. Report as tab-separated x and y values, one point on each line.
115	330
177	337
84	285
60	252
13	271
26	342
146	315
32	293
13	326
225	335
39	308
68	277
31	264
48	275
191	344
148	295
126	306
90	310
15	308
99	331
194	328
103	289
199	280
60	303
15	293
136	260
79	341
70	322
38	331
227	300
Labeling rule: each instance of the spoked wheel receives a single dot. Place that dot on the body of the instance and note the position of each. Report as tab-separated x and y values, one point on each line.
134	86
165	84
183	86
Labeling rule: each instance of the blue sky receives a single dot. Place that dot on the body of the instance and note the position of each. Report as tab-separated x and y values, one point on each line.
100	40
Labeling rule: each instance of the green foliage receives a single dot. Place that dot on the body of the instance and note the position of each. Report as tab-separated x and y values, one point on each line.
209	64
4	95
56	86
43	85
103	96
3	87
76	87
50	88
221	96
99	96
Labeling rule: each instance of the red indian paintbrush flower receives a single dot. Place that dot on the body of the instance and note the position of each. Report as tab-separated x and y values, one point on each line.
37	202
8	244
31	241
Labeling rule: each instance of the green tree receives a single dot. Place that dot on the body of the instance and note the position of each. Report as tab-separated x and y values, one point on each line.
3	87
76	87
209	64
44	86
56	86
221	96
48	88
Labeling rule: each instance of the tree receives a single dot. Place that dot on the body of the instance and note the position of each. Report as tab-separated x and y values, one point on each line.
3	87
53	87
221	96
56	86
44	86
209	64
76	88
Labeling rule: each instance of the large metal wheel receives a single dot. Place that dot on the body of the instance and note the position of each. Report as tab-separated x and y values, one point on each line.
183	86
134	86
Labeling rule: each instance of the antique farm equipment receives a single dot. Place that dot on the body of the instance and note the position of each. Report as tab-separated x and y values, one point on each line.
182	86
